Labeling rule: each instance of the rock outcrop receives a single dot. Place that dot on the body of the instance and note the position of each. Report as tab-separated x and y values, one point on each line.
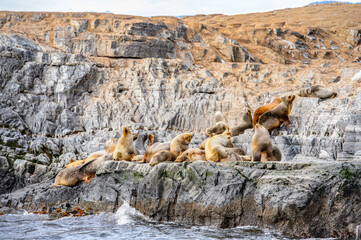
71	81
314	199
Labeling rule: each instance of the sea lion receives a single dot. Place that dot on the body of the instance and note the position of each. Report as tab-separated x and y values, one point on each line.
110	145
231	156
245	124
94	155
317	91
246	158
151	139
109	148
179	144
229	146
138	158
124	149
85	172
152	150
190	155
262	148
238	151
272	119
216	150
220	127
202	146
139	142
264	108
161	156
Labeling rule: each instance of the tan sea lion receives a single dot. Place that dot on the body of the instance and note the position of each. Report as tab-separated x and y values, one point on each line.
246	158
273	118
216	147
190	155
151	139
220	127
229	146
109	148
245	124
110	145
317	91
202	146
85	172
161	156
179	144
264	108
262	148
238	151
125	149
231	156
138	158
152	150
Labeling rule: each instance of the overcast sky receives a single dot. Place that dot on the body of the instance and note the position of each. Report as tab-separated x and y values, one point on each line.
154	7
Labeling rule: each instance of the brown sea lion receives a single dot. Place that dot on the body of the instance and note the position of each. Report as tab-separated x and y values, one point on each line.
262	148
125	149
245	124
273	118
264	108
220	127
317	91
238	151
202	146
246	158
110	145
85	172
216	147
231	156
190	155
161	156
138	158
151	139
152	150
109	148
179	144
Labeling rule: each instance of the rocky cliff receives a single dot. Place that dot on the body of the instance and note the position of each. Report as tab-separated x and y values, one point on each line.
299	199
70	81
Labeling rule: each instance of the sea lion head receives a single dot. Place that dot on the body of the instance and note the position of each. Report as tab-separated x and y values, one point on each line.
228	136
218	117
126	131
289	98
110	145
187	137
260	128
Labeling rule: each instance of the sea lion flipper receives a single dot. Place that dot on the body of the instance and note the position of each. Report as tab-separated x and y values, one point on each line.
89	178
83	167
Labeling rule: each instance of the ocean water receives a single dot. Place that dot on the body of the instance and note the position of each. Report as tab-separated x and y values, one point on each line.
126	223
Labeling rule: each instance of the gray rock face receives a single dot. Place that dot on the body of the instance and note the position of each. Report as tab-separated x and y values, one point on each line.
10	119
59	94
314	199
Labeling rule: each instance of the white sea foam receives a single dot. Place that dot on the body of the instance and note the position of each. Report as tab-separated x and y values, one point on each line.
126	214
